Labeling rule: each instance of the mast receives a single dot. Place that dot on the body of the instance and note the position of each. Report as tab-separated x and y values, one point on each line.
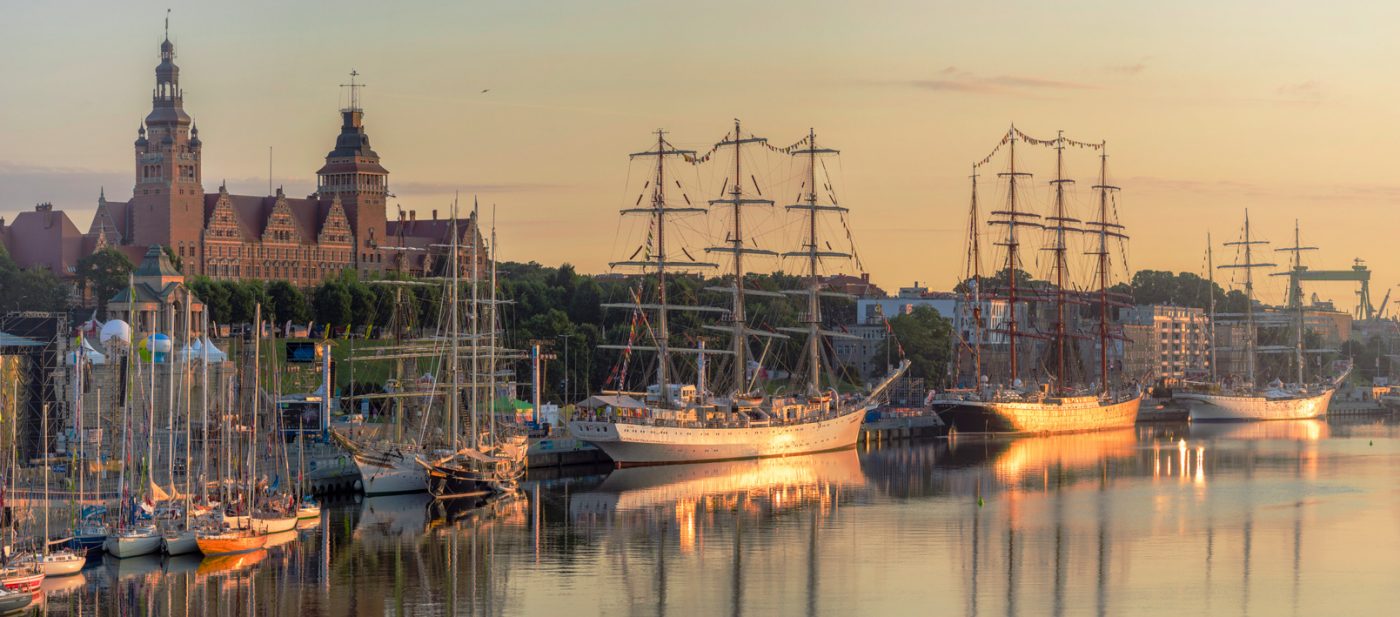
975	261
454	332
813	255
1248	266
658	211
1210	272
204	406
1012	220
1295	295
476	325
491	350
735	245
1104	188
1061	266
253	437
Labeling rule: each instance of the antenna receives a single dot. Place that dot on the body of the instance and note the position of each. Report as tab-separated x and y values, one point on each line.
167	24
354	91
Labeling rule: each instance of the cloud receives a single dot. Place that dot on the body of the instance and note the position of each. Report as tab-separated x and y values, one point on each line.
1127	69
1308	92
1236	189
951	79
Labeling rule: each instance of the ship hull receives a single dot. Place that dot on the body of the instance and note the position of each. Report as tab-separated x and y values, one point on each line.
1037	417
390	476
230	543
1223	408
132	545
639	444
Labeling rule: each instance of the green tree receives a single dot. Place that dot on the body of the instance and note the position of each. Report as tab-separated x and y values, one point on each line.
103	274
175	260
35	289
926	338
332	303
288	303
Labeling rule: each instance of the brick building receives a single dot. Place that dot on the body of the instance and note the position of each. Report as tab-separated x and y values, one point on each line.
343	225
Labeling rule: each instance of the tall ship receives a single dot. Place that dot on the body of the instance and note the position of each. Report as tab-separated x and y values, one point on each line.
1242	398
677	422
1051	315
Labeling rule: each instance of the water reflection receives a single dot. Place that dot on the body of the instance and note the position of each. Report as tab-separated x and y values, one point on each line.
1229	519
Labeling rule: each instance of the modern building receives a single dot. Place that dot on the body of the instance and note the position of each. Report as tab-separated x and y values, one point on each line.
1165	343
343	225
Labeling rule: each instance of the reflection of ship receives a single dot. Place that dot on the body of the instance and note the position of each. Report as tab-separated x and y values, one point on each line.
392	516
674	422
640	488
1277	401
1282	430
1064	403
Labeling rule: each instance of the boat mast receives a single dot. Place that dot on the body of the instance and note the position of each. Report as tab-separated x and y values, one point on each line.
453	332
1248	266
253	436
975	261
1295	293
476	324
1061	263
1103	225
1012	244
491	348
736	246
1210	272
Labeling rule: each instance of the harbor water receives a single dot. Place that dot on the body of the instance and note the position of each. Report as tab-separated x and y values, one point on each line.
1275	518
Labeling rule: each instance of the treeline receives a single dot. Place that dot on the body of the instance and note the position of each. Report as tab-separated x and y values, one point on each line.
32	289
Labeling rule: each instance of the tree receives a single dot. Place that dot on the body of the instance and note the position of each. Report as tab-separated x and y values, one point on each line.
926	338
35	289
103	274
332	303
175	260
288	303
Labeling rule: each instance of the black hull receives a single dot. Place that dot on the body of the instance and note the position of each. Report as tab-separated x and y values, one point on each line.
973	419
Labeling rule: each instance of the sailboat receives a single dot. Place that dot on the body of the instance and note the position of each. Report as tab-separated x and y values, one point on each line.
177	537
677	423
53	561
15	575
133	535
492	461
1246	399
1060	405
235	533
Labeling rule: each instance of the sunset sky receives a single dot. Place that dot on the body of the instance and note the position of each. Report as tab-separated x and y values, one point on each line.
1286	108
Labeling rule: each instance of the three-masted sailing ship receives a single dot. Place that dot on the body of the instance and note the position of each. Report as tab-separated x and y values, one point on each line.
1058	402
1245	399
677	422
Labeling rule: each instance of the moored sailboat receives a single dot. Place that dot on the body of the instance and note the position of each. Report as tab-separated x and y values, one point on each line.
1061	405
673	422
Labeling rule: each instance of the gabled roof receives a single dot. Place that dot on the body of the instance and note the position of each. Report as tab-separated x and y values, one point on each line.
252	213
155	263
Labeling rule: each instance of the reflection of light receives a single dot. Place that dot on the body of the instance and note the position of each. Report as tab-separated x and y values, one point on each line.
685	521
1156	460
1200	465
1181	448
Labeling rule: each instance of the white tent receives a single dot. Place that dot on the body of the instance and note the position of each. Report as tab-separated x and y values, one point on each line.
89	354
214	353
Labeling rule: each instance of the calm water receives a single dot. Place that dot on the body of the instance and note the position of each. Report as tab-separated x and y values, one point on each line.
1262	519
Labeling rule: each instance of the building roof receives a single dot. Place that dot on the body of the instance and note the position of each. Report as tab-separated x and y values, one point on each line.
45	238
155	263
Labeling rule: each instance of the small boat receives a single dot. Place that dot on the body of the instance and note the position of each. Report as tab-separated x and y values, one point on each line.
22	579
11	601
273	523
180	542
309	509
88	539
133	542
61	562
229	542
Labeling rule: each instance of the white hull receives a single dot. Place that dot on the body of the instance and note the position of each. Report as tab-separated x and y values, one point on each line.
61	564
640	444
182	543
402	475
1219	407
132	545
305	513
278	524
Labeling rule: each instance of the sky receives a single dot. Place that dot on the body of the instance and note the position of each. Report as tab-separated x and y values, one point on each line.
1207	108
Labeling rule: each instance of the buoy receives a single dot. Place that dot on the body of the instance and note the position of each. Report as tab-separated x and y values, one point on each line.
979	502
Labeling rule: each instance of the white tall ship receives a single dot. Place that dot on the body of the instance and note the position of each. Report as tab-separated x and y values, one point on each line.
1245	401
677	423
